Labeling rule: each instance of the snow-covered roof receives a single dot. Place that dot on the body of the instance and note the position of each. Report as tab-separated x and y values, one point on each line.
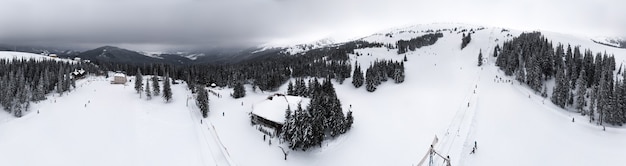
274	109
77	72
119	75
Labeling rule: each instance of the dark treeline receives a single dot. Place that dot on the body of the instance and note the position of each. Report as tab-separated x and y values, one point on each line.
381	71
466	39
582	82
26	81
265	74
418	42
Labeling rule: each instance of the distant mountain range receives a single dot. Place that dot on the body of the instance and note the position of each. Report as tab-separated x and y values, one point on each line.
121	55
210	55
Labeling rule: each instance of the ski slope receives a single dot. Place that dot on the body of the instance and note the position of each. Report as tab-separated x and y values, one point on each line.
104	124
445	95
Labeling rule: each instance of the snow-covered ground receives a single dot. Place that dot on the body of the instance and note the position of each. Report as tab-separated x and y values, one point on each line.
445	95
11	55
105	124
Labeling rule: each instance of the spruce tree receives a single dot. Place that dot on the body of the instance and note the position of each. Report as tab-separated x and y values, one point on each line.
139	82
300	88
561	90
370	80
581	84
155	85
398	75
592	103
147	90
202	100
238	91
357	76
290	89
59	84
480	58
167	90
349	121
40	92
495	51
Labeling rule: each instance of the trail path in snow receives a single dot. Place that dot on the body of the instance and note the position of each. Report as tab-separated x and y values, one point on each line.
209	136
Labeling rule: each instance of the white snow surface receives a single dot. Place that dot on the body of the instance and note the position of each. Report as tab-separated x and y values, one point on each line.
445	95
11	55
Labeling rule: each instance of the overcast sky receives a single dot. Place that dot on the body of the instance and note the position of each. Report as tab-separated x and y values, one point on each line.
154	25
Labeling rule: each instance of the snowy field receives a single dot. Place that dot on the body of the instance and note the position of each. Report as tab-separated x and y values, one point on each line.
104	124
445	95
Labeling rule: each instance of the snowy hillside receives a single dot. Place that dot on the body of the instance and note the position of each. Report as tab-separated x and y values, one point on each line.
445	96
611	41
10	55
292	49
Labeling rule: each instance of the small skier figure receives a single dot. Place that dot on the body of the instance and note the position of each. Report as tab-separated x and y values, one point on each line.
476	144
222	113
474	148
572	119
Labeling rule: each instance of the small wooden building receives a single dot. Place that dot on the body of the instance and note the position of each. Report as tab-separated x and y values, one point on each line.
119	78
270	113
78	74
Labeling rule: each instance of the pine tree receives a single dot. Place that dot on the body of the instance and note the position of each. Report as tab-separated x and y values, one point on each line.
466	40
67	80
349	121
59	85
238	91
147	90
40	92
592	103
202	100
287	131
398	75
73	82
301	89
139	82
290	89
370	80
167	90
495	51
480	58
561	90
357	76
155	85
580	93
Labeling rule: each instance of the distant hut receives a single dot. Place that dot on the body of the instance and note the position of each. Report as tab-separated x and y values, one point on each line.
53	56
119	78
269	114
78	74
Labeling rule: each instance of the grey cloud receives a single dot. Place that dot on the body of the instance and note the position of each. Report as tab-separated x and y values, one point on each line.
176	23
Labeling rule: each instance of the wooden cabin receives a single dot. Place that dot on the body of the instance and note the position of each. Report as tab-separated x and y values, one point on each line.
270	113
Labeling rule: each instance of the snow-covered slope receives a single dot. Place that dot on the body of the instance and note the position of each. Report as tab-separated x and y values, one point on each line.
292	49
611	41
445	95
11	55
